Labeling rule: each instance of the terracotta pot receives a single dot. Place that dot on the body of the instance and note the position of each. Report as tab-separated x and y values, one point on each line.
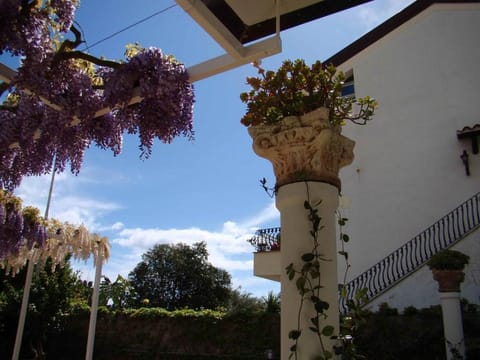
448	280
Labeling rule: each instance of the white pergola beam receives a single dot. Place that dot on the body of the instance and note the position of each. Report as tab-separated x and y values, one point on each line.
226	62
204	17
6	74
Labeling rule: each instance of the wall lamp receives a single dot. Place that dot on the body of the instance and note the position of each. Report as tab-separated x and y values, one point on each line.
471	133
465	160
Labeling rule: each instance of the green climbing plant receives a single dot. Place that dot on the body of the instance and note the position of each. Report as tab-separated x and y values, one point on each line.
307	279
308	282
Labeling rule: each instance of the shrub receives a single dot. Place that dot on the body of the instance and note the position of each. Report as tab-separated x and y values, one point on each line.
448	260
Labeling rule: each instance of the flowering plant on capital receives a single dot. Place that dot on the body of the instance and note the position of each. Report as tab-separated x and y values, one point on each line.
62	100
296	89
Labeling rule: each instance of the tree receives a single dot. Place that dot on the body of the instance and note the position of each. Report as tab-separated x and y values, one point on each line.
242	302
116	295
179	276
272	302
52	295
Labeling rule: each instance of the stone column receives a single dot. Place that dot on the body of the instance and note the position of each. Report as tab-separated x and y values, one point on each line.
449	288
306	153
452	325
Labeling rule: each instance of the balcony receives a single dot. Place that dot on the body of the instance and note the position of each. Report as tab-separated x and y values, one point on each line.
266	258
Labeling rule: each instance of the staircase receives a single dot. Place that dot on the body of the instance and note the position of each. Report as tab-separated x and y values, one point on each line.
396	266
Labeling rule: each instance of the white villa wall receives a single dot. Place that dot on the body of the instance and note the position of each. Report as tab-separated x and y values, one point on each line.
407	171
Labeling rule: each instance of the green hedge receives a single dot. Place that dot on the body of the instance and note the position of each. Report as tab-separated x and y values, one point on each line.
151	334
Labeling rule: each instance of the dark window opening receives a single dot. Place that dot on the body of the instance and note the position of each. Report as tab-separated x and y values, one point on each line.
348	88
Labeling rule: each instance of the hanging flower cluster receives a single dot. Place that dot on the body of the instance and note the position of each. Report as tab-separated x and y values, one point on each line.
162	81
19	227
26	236
25	25
54	102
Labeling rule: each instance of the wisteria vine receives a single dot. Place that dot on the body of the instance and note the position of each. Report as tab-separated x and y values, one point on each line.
25	235
19	227
53	102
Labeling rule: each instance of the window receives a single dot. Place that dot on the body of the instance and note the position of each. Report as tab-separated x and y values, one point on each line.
348	89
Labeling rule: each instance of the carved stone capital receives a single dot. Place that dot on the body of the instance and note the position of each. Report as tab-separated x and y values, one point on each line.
304	148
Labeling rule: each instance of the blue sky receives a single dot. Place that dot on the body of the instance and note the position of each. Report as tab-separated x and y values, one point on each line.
204	190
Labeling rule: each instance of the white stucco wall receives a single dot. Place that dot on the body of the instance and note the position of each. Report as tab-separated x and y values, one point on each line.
407	171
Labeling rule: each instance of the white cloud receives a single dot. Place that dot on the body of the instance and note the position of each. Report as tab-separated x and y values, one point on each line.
231	238
67	202
117	226
224	246
264	216
78	210
228	247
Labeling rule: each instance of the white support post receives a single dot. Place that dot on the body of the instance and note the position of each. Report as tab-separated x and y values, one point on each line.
23	308
94	309
29	276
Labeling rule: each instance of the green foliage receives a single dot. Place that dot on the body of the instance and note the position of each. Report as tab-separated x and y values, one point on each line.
308	286
246	336
385	310
132	49
243	303
296	89
52	295
410	311
79	308
397	336
448	260
157	313
272	303
179	276
179	334
116	295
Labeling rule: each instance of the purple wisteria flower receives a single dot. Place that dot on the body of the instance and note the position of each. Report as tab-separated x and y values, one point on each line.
51	111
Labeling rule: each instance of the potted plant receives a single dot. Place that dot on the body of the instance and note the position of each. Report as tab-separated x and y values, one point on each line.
294	116
447	268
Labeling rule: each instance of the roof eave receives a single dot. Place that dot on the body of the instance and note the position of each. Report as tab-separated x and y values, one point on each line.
385	28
